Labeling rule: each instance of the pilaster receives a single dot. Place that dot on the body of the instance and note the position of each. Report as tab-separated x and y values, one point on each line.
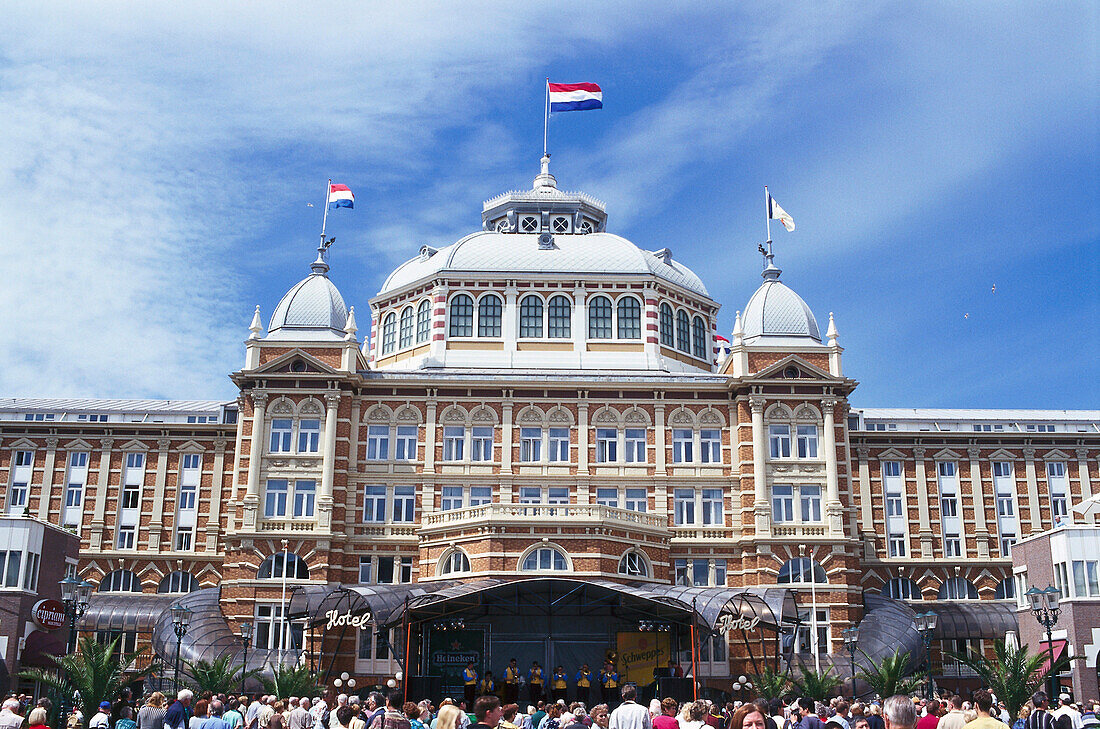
47	480
977	489
924	513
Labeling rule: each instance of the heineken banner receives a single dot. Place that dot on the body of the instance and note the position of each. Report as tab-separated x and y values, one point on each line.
448	653
639	654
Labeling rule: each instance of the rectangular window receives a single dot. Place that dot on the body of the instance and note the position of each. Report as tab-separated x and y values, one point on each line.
184	540
607	444
386	570
74	489
810	498
404	503
275	498
952	545
779	440
374	504
1007	541
394	570
719	573
272	632
1056	480
712	507
309	435
280	435
378	442
482	444
30	575
530	445
681	445
683	502
132	479
607	497
700	572
454	438
635	445
405	443
893	504
480	495
9	568
1091	576
636	500
896	545
557	495
365	570
451	498
304	493
559	445
681	575
710	446
783	502
530	495
949	505
1079	588
807	441
126	535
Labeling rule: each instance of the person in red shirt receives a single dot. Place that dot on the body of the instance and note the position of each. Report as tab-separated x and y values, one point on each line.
932	718
667	718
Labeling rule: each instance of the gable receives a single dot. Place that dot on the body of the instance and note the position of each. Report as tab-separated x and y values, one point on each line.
297	362
793	367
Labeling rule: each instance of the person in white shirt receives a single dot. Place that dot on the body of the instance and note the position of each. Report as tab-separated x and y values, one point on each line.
10	718
1065	708
102	717
630	715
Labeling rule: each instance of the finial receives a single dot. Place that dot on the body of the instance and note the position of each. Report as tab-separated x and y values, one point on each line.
321	264
738	331
350	329
257	325
832	334
545	179
771	271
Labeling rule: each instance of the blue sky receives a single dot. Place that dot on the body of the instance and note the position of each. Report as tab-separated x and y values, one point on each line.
156	165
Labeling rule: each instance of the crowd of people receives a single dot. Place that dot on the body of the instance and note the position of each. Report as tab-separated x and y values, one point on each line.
376	711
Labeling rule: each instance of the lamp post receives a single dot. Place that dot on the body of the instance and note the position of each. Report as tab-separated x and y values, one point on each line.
851	640
1044	606
246	638
926	626
181	621
75	595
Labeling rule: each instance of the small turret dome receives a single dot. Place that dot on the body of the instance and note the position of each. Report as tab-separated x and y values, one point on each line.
312	309
775	311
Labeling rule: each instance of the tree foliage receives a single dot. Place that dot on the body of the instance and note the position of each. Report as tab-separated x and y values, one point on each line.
291	681
1014	673
95	673
814	685
218	676
890	676
771	683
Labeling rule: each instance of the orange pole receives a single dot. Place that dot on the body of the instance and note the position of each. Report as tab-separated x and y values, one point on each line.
694	670
405	675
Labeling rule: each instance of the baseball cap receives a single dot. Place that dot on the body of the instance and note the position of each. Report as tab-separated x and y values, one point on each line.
104	704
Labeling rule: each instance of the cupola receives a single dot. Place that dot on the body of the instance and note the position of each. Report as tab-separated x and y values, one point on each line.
544	209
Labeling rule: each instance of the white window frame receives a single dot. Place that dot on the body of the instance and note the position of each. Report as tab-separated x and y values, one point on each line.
783	495
683	506
635	497
403	503
634	445
482	439
405	442
378	442
305	498
682	445
282	438
710	445
76	481
779	441
1058	487
807	441
309	438
559	445
607	445
454	443
276	508
530	444
713	502
375	497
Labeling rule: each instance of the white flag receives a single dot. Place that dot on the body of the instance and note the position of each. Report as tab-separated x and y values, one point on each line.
777	213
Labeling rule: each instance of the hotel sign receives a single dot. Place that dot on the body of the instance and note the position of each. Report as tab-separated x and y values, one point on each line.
337	619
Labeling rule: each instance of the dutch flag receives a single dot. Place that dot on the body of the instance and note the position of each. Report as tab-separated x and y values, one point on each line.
575	97
339	196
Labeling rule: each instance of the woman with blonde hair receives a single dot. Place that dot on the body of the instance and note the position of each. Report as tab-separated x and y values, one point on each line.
151	716
449	717
695	713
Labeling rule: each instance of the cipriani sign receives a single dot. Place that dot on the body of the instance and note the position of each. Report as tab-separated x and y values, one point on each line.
338	619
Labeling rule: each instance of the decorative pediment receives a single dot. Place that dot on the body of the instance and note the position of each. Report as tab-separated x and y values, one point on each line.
807	412
946	455
682	416
531	415
282	406
296	361
892	454
379	414
710	416
793	367
23	444
1056	455
606	416
312	406
454	414
1002	455
483	415
560	415
636	416
778	411
408	414
78	445
133	445
191	446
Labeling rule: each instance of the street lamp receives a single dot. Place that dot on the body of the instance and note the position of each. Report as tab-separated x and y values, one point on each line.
851	640
181	621
75	595
246	638
1044	606
926	626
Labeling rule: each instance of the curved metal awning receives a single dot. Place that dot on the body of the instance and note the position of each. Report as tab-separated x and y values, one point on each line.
313	603
124	612
986	619
719	607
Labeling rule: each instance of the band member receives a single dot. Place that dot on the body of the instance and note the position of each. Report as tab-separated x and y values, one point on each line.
487	685
469	680
609	683
511	683
584	681
559	687
534	682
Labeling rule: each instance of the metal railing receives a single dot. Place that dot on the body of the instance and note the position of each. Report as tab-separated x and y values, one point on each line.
544	512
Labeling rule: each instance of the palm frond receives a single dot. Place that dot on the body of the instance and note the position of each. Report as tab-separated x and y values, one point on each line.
814	685
890	675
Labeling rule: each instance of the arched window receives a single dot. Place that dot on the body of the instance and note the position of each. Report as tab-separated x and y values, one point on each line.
634	564
683	332
389	333
530	317
545	558
178	582
454	562
902	588
667	336
698	338
489	311
120	581
279	563
561	314
423	321
462	316
599	318
406	327
1006	590
801	569
630	318
957	588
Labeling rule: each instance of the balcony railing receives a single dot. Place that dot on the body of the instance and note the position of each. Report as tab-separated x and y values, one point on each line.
708	533
586	513
286	525
386	530
798	530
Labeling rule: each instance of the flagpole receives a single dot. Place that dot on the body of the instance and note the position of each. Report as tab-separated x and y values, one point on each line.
768	217
546	118
324	219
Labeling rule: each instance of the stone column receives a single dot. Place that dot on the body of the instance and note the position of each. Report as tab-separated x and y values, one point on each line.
429	433
47	481
977	492
438	349
866	518
328	462
580	323
1032	493
255	451
156	526
1086	483
510	321
660	437
582	434
651	326
759	469
214	517
833	509
103	477
924	515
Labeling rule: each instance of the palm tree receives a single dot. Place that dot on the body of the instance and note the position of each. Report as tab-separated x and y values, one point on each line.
814	685
1014	673
97	673
219	675
771	683
291	681
890	675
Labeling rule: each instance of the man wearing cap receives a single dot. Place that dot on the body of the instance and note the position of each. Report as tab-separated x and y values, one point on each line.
102	717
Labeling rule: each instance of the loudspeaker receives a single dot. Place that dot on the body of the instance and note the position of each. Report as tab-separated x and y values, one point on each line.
425	687
677	688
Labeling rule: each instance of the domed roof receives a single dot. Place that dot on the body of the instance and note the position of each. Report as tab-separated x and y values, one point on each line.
312	308
777	311
517	253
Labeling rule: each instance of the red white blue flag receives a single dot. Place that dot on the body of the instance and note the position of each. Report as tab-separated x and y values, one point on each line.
339	196
575	97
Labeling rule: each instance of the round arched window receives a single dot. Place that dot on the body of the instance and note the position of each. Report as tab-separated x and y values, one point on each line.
454	562
802	570
634	564
545	558
957	588
120	581
288	563
178	582
902	588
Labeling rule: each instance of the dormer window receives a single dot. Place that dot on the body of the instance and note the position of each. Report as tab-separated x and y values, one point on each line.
587	227
529	224
502	226
561	224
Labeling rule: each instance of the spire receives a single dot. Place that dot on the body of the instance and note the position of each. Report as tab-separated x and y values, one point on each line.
257	325
738	331
832	334
350	329
545	179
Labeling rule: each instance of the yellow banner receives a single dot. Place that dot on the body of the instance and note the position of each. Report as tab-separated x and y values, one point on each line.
639	654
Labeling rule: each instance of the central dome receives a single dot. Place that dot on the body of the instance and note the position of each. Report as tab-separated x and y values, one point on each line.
312	307
777	311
